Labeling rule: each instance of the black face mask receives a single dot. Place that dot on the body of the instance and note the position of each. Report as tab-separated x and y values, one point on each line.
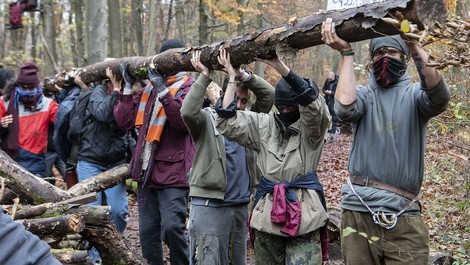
288	118
388	70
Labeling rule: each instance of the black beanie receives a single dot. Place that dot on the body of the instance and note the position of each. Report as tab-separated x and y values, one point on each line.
284	95
171	44
5	75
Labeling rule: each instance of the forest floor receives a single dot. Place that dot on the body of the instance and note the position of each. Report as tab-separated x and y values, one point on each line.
444	196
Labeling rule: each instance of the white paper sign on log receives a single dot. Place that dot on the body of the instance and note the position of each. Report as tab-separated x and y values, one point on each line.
340	4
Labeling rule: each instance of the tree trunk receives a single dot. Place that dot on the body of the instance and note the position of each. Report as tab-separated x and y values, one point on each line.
55	227
96	34
203	23
104	236
30	188
152	41
67	256
168	21
100	182
79	44
59	207
115	32
49	37
353	24
137	25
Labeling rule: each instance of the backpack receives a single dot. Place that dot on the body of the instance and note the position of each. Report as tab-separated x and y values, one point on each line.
78	116
69	121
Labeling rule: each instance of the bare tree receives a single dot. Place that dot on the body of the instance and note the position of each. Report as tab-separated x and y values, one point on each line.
48	37
152	40
137	28
115	34
96	36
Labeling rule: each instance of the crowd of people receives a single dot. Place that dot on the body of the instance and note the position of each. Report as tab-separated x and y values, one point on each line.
209	161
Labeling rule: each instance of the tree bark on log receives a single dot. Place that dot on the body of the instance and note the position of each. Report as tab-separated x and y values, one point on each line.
354	24
30	189
70	257
101	181
103	235
55	227
59	207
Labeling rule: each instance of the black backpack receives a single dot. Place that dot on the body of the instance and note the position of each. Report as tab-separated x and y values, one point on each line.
79	116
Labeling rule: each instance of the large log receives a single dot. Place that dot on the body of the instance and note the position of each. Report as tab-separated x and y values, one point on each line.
59	207
112	245
55	227
29	188
352	24
67	256
100	182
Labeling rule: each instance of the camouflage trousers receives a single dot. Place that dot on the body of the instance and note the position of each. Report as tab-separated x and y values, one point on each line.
277	250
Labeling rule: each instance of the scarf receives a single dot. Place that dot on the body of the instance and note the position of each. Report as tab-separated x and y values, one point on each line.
174	83
10	141
30	99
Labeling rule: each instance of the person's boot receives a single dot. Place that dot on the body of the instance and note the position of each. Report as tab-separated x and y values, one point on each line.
71	178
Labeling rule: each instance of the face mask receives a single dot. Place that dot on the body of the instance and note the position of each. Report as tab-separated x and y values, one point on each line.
388	70
288	118
29	98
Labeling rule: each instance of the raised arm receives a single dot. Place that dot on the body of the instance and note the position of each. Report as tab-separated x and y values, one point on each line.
346	89
192	105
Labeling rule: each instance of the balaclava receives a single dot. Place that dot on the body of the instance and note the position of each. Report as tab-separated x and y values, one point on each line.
284	96
387	70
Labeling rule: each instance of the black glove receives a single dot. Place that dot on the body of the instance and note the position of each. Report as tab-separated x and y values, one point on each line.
125	74
158	81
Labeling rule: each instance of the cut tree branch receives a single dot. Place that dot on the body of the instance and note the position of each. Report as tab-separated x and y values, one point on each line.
354	24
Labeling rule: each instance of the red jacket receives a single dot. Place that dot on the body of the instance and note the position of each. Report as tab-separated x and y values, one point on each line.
32	133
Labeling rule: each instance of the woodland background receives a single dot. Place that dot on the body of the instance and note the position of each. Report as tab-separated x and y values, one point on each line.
65	34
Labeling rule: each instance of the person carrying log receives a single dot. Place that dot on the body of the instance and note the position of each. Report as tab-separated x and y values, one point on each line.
389	117
162	159
223	171
103	145
289	216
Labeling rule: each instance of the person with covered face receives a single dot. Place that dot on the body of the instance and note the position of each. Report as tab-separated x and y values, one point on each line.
25	115
289	217
389	117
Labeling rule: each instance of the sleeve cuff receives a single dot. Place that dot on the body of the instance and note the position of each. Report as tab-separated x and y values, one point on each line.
229	112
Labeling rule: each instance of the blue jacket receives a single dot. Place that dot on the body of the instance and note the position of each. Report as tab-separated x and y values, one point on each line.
21	247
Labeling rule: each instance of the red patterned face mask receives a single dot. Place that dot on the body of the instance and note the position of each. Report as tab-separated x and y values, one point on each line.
388	70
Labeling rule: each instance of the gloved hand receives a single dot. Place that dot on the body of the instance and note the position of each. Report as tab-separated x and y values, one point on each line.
158	80
128	79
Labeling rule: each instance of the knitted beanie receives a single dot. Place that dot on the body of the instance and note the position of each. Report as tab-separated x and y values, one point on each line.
171	44
394	41
28	76
284	95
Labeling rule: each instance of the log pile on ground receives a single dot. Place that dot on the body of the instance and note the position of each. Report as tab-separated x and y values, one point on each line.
62	218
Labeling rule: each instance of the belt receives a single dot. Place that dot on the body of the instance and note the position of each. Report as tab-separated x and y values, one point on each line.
365	181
